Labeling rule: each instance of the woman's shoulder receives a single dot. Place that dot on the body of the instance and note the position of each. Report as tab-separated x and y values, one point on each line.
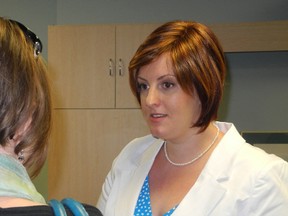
259	161
239	152
243	157
259	156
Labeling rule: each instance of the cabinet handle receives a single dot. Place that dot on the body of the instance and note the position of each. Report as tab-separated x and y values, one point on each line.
111	71
120	67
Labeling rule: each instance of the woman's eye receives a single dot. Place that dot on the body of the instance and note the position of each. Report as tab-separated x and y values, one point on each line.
142	86
167	85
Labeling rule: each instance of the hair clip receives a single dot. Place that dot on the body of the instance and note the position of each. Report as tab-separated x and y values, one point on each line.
37	44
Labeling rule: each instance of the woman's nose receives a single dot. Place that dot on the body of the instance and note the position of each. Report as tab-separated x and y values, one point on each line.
153	97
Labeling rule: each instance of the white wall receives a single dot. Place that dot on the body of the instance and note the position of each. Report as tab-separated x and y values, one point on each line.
207	11
257	96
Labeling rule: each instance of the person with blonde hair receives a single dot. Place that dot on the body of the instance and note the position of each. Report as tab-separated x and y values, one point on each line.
25	121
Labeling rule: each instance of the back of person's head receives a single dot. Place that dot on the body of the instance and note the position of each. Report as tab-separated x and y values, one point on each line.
197	61
24	94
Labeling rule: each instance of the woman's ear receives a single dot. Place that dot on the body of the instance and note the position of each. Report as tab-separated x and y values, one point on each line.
21	131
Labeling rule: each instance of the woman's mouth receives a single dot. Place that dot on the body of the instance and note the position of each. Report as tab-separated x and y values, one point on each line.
157	116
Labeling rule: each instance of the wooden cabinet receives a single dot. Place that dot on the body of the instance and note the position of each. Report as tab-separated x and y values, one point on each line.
78	58
128	39
95	113
89	64
84	144
253	36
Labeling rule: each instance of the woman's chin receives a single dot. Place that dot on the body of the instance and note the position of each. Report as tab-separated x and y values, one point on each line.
157	134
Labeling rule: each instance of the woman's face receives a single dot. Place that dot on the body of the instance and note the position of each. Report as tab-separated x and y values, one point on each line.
168	110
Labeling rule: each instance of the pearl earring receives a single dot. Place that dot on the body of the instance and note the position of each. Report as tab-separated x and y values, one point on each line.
21	157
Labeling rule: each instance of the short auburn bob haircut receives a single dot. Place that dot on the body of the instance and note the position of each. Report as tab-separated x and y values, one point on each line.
197	60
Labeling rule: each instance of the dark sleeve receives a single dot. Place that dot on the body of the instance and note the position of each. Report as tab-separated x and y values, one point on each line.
27	211
43	211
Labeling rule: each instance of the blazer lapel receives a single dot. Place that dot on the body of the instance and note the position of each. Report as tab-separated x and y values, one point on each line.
202	198
131	180
210	187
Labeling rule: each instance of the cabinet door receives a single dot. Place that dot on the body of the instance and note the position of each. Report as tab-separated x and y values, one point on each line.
78	58
128	39
83	145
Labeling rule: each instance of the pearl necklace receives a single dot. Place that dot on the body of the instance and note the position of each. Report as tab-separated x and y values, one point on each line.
194	159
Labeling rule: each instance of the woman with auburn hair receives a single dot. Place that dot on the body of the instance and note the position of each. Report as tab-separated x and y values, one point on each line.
25	122
190	164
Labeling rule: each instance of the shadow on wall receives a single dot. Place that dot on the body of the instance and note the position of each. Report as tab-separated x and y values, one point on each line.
224	106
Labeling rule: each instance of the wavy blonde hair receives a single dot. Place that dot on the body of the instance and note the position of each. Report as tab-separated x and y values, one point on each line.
24	96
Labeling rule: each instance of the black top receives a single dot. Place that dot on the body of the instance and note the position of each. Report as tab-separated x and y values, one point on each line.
44	211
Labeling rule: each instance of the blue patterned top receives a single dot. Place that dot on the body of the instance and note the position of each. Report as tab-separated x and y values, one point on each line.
143	206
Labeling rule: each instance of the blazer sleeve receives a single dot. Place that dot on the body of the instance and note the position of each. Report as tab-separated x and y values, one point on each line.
270	193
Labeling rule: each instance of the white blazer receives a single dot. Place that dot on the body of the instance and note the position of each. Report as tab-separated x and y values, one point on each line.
238	179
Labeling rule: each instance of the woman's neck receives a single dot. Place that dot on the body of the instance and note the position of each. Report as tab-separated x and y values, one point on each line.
8	150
